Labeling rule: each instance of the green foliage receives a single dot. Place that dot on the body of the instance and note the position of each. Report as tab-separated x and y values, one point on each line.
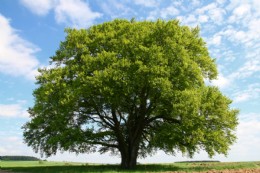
131	88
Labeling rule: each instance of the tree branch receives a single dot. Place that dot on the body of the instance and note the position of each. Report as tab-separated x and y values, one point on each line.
103	144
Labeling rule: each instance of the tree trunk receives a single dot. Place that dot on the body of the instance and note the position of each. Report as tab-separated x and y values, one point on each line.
129	149
129	157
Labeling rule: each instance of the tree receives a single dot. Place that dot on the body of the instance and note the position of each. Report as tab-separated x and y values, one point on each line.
19	158
130	88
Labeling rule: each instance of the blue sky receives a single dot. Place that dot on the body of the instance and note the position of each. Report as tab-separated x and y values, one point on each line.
31	30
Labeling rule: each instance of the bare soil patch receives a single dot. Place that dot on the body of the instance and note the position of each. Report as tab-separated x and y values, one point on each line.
3	171
225	171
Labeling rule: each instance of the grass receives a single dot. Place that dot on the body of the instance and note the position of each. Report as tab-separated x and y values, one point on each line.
14	164
67	167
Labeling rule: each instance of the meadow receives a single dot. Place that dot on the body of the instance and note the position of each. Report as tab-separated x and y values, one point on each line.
71	167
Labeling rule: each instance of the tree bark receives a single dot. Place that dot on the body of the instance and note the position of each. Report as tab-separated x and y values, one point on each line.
129	156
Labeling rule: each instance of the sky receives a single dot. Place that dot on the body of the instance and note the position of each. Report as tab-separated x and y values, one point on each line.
31	31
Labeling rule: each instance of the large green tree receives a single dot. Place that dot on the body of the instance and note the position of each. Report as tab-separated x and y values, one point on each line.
130	88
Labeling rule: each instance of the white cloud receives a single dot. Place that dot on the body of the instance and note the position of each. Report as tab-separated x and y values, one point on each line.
242	10
152	15
206	8
252	92
146	3
16	54
216	15
169	12
70	12
245	14
228	55
195	2
13	139
117	9
190	20
238	5
39	7
221	82
247	36
248	137
177	3
253	27
3	151
242	97
221	2
211	14
12	111
213	11
14	145
236	36
250	117
75	12
215	41
233	4
240	13
203	18
256	6
251	67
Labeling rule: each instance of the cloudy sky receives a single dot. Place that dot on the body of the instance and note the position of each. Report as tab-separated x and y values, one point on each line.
31	30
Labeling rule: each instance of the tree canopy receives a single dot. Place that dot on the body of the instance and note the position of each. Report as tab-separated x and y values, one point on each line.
130	88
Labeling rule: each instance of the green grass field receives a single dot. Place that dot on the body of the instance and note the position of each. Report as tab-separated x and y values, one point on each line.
66	167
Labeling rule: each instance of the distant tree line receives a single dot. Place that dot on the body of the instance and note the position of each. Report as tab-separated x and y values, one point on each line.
18	158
